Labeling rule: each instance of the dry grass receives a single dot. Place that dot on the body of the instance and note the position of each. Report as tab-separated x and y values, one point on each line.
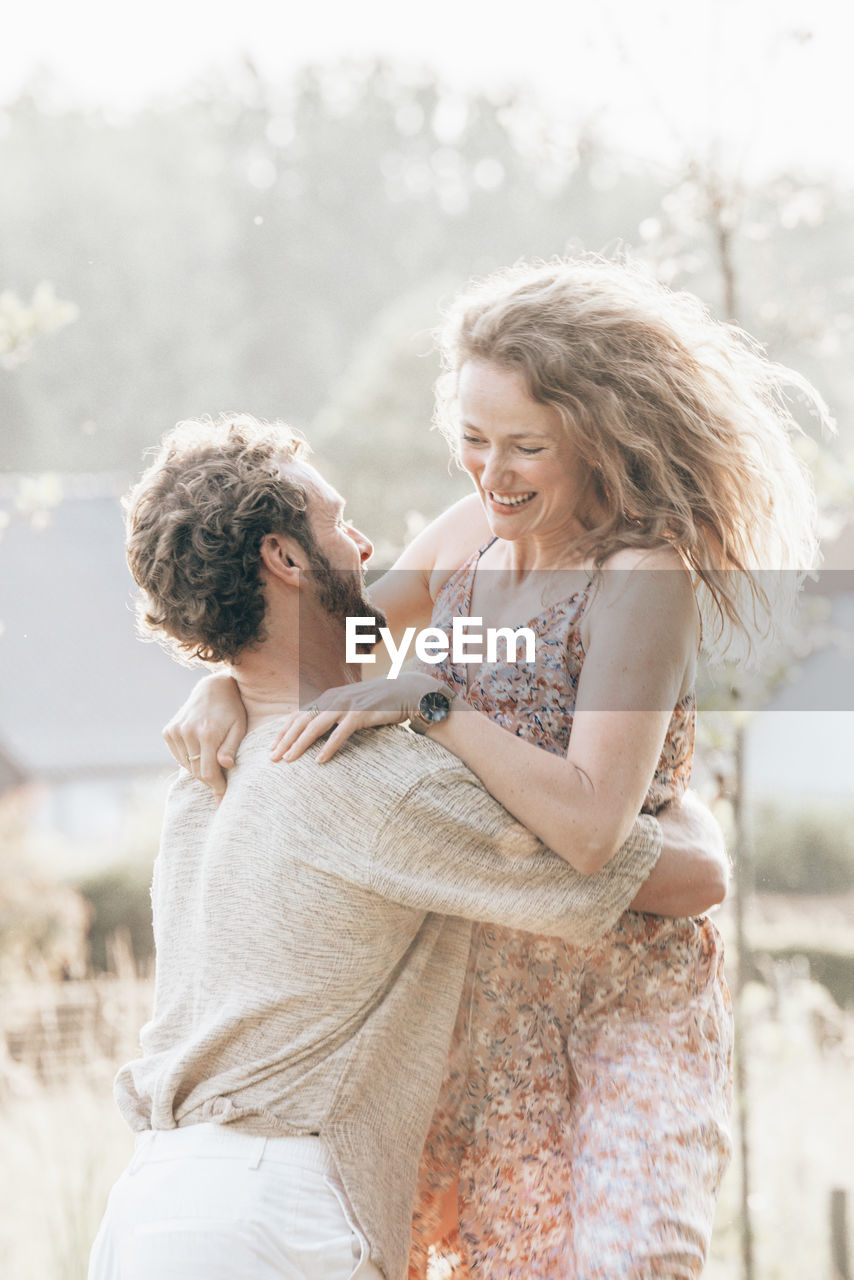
62	1139
63	1147
63	1143
801	1127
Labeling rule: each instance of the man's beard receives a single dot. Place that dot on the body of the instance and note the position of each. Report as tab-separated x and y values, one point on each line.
343	593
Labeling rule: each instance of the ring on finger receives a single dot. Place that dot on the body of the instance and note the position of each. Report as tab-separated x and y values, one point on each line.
312	711
190	759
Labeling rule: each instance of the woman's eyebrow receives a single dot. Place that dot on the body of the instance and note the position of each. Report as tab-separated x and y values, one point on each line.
514	435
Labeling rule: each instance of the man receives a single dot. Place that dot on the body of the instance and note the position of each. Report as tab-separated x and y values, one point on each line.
313	928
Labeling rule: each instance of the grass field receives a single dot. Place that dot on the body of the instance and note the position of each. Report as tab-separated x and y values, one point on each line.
63	1143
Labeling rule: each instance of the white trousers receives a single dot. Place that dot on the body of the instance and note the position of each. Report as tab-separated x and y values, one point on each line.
208	1203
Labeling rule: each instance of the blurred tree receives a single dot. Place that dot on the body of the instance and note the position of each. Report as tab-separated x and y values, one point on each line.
21	322
248	247
704	238
43	924
374	432
230	251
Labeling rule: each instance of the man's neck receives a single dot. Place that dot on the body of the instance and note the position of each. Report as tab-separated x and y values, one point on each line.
273	684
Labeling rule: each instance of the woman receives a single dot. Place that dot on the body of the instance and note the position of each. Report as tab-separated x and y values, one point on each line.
631	459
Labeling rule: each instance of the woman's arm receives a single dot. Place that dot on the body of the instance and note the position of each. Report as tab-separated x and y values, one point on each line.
641	639
206	730
407	591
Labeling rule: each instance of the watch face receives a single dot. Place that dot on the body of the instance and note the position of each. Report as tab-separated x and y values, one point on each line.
434	706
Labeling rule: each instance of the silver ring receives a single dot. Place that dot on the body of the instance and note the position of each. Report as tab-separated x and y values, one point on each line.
312	711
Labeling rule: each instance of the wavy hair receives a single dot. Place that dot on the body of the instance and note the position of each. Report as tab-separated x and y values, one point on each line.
684	422
195	523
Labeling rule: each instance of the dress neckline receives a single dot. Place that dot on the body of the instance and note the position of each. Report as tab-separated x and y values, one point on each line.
472	566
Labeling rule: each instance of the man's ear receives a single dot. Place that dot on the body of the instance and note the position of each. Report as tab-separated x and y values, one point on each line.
283	558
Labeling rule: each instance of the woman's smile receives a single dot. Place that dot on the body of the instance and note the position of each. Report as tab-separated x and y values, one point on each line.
509	501
526	469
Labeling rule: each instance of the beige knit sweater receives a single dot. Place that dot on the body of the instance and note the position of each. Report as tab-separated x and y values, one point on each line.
312	938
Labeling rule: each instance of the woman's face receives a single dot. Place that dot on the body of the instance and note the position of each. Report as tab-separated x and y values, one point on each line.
516	450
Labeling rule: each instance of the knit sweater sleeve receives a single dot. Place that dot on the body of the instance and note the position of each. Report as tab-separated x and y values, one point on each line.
449	847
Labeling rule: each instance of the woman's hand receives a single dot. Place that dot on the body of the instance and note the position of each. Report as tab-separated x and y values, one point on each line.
364	704
205	733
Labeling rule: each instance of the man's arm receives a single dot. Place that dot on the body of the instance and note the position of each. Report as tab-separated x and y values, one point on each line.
449	847
692	872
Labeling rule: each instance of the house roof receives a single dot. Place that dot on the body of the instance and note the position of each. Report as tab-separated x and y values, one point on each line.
11	774
79	692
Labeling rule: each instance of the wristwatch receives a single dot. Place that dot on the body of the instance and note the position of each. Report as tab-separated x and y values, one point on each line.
432	709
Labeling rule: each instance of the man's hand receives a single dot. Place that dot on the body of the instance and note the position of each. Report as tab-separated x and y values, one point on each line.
692	873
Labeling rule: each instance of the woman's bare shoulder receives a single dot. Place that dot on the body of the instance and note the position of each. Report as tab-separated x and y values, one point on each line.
663	556
639	585
646	571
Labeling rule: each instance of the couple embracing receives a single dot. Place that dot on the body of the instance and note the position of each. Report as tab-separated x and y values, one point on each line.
443	997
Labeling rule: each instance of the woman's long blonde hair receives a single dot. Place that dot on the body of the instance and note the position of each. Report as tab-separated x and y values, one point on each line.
683	421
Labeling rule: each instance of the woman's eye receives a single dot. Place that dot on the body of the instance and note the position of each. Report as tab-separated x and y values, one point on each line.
529	452
471	440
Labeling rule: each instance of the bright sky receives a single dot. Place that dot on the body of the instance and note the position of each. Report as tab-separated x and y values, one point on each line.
772	78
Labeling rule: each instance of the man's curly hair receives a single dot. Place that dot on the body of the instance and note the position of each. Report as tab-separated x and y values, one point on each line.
195	523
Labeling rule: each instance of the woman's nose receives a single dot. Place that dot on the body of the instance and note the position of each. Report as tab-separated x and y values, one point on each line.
494	470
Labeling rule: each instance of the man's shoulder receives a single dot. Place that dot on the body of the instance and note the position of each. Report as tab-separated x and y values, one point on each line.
370	774
334	812
389	762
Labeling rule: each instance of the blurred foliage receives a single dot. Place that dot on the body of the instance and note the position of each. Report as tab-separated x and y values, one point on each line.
42	928
21	323
827	969
70	905
280	248
384	402
808	849
120	901
43	923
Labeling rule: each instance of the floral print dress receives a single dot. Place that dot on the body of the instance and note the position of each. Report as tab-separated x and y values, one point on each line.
587	1096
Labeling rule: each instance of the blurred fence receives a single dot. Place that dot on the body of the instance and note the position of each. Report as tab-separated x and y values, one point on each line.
50	1031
